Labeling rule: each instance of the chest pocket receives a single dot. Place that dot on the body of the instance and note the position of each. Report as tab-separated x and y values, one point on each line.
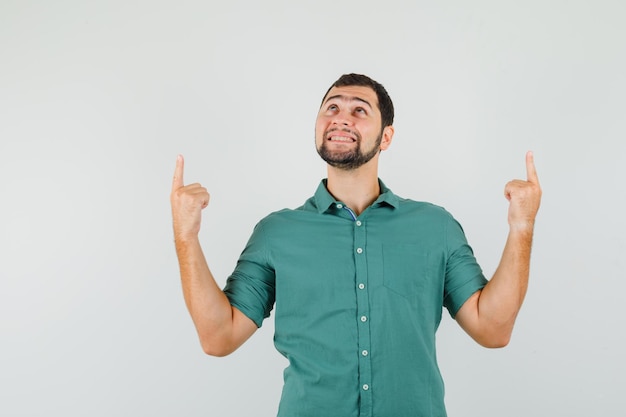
405	269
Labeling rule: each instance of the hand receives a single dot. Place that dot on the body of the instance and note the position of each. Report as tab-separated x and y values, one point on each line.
524	197
187	204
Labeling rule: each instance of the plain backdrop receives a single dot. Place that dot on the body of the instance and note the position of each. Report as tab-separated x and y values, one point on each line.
98	97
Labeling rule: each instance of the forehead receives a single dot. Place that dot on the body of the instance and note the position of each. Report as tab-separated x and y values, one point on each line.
354	92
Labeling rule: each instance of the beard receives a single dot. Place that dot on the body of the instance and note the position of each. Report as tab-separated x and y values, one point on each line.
350	159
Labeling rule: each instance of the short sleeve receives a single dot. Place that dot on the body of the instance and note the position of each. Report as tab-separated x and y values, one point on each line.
463	275
251	287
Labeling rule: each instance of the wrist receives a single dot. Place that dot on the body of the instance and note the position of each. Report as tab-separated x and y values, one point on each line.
522	227
185	238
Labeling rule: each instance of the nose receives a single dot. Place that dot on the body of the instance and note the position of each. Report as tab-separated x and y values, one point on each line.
342	119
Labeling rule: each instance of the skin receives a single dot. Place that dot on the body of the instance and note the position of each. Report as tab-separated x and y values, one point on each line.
340	144
349	122
355	109
221	327
489	315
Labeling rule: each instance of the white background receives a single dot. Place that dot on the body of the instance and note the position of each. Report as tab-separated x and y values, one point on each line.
98	98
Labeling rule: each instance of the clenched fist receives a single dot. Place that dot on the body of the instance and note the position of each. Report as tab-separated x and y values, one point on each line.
524	197
187	204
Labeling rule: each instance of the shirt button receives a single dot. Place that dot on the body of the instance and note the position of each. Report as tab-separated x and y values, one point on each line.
365	353
363	319
365	387
358	222
339	206
361	286
359	250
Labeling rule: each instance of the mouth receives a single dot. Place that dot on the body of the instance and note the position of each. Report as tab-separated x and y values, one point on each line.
342	139
341	136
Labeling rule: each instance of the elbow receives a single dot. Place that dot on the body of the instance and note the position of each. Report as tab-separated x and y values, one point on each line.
215	348
216	351
496	334
495	341
496	344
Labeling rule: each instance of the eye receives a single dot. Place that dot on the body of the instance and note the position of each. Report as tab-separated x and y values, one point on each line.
332	107
360	110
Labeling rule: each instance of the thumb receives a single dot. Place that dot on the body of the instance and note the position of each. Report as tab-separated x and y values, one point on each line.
178	173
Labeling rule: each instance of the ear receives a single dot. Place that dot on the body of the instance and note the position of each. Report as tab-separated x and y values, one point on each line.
387	137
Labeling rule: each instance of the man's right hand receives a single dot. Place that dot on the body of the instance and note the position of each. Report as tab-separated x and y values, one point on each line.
187	204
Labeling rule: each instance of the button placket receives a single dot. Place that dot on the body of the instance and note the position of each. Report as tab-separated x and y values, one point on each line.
363	326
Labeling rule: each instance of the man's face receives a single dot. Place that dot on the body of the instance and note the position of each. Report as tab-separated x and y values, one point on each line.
348	130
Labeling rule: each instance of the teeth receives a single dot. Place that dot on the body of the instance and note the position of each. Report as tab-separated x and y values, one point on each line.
341	139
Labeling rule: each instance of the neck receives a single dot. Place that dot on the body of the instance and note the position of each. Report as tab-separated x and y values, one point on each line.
357	188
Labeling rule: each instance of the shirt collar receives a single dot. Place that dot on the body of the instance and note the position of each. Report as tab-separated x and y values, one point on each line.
324	200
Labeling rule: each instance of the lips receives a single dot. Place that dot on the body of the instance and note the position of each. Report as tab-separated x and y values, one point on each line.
341	139
344	136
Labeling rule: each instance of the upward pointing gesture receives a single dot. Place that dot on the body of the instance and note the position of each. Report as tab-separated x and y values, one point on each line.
187	204
524	197
178	173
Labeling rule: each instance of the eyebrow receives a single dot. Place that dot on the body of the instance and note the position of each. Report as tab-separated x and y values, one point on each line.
348	98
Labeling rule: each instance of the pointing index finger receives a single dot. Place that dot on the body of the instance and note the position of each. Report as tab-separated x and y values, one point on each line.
178	173
531	172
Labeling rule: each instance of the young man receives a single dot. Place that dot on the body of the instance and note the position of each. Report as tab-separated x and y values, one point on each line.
357	274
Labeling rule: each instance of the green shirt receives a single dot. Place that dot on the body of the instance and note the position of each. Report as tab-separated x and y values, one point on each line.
358	302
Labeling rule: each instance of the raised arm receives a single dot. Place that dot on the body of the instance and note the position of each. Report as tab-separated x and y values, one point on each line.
489	315
221	327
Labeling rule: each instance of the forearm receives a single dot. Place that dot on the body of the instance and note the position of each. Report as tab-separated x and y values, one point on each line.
501	299
489	315
221	327
208	306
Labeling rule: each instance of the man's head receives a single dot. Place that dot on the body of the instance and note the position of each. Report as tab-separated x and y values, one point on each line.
385	105
354	122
